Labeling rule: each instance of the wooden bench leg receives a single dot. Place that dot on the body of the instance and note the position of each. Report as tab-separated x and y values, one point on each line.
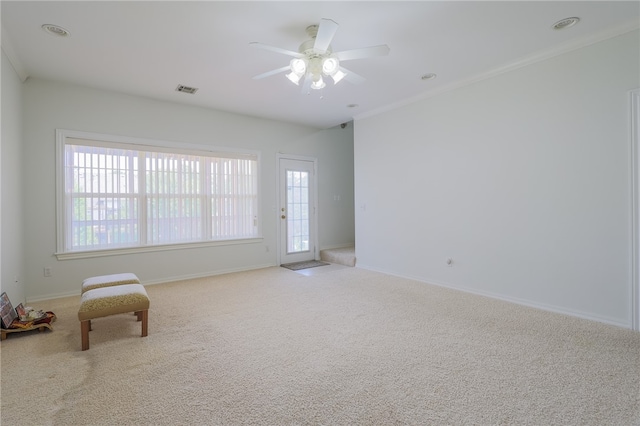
145	321
138	315
85	326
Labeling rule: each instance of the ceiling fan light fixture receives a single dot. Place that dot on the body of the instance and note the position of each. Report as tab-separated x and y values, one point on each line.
330	65
298	66
318	83
294	78
337	76
315	60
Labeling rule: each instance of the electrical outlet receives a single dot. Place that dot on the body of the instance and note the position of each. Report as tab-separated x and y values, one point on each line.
47	271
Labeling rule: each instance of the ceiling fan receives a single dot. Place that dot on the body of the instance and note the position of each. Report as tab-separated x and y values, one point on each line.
315	59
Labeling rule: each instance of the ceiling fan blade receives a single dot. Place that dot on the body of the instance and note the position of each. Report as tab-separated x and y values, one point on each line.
275	49
326	30
352	77
272	72
306	86
365	52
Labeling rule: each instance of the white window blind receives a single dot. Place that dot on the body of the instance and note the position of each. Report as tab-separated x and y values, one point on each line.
174	198
126	195
232	185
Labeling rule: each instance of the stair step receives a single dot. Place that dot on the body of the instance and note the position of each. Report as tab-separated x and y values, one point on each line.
342	256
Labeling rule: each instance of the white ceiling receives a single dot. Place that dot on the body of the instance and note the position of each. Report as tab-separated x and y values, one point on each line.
147	48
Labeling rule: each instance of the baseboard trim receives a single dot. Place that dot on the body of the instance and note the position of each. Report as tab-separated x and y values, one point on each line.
207	274
157	281
510	299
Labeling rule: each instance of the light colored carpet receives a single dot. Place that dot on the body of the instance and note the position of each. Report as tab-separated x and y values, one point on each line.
347	346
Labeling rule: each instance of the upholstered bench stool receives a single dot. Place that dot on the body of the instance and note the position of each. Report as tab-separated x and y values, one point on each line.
105	301
109	281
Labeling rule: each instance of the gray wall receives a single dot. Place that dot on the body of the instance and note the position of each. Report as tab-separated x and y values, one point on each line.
335	182
11	202
523	179
50	105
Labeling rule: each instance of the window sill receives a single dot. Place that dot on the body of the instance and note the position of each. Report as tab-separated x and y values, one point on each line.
147	249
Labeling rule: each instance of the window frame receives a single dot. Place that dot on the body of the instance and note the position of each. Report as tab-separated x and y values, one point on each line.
62	135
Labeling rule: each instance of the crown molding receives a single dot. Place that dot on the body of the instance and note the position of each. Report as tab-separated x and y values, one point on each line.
7	48
527	60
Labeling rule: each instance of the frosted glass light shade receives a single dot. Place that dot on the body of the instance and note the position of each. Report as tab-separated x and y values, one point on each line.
294	78
318	84
330	66
337	76
298	66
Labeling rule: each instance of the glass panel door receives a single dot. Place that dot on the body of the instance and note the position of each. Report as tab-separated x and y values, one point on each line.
297	210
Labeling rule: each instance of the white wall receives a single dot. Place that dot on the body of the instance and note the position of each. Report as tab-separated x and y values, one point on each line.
12	251
50	105
523	179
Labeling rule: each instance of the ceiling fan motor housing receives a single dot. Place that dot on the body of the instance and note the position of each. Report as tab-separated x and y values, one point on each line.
306	48
314	60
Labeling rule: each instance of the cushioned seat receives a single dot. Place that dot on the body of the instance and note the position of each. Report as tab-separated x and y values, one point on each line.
105	301
109	281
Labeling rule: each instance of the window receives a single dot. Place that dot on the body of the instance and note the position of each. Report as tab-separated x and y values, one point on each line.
116	193
298	211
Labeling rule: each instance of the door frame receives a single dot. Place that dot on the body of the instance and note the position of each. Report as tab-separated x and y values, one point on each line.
314	228
634	125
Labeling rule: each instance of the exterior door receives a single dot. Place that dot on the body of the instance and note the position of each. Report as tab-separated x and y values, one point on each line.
297	209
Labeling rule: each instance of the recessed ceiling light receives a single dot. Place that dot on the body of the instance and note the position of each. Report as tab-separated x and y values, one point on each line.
429	76
565	23
55	30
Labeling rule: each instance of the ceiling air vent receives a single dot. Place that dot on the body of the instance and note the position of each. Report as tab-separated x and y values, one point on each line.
186	89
